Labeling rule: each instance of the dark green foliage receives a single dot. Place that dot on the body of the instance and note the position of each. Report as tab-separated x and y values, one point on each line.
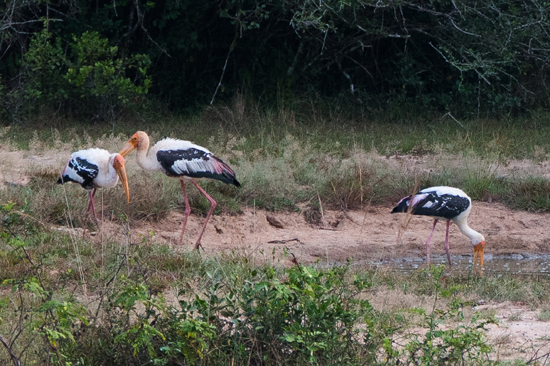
310	318
470	57
92	80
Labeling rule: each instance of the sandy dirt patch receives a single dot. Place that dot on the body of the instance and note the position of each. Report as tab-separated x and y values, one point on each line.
519	333
369	235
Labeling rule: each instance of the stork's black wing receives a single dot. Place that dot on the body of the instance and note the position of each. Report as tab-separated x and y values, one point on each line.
195	163
80	171
431	204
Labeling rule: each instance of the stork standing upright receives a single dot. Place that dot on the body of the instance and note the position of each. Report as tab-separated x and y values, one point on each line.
95	168
185	161
444	203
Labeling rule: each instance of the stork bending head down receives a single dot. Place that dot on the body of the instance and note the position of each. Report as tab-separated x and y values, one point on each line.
445	203
95	168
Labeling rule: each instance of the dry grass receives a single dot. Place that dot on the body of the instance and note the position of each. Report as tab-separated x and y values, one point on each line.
288	173
296	156
544	313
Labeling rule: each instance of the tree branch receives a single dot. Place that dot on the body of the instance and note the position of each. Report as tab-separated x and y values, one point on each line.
225	66
14	358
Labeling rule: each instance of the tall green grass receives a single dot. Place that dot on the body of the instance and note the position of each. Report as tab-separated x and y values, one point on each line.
323	124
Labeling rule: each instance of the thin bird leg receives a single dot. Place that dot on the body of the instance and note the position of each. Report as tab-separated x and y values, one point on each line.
91	194
212	207
447	243
93	206
428	241
90	203
187	210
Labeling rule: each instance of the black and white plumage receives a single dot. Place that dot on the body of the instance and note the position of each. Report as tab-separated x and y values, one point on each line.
450	204
184	160
192	161
95	168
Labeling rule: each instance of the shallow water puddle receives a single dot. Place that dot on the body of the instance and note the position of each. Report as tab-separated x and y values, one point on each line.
510	264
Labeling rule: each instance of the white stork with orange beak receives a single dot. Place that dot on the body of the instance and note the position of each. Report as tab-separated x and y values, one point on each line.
95	168
183	160
445	203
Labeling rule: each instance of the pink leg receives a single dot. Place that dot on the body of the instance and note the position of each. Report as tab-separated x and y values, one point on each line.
187	210
447	243
428	241
91	194
91	205
212	207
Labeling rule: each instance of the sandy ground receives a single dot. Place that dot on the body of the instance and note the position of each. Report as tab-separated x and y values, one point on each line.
370	235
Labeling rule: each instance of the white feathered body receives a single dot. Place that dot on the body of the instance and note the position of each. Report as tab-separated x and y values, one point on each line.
442	202
184	159
91	168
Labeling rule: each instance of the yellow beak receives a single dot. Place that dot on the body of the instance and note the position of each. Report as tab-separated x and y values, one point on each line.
121	171
478	253
127	149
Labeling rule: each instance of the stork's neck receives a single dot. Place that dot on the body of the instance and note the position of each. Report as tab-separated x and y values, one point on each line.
111	178
473	235
145	161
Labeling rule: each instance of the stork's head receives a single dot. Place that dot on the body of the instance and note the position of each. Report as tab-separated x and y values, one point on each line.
477	238
139	140
120	166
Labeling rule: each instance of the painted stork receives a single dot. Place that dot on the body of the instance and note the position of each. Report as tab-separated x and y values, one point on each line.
444	203
95	168
184	160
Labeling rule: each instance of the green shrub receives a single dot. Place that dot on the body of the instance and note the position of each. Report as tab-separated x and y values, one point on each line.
93	80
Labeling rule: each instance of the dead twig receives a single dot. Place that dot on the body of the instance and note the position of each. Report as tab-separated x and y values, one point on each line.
282	241
224	67
294	260
328	228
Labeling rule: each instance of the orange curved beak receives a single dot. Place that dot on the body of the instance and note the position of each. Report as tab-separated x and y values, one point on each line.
121	171
478	253
127	149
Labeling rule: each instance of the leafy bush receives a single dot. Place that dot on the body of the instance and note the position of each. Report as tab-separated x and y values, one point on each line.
92	81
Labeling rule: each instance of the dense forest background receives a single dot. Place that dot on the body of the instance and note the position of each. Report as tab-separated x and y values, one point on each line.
96	60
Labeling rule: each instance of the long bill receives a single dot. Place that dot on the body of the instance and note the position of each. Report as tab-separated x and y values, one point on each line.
478	253
127	149
121	171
